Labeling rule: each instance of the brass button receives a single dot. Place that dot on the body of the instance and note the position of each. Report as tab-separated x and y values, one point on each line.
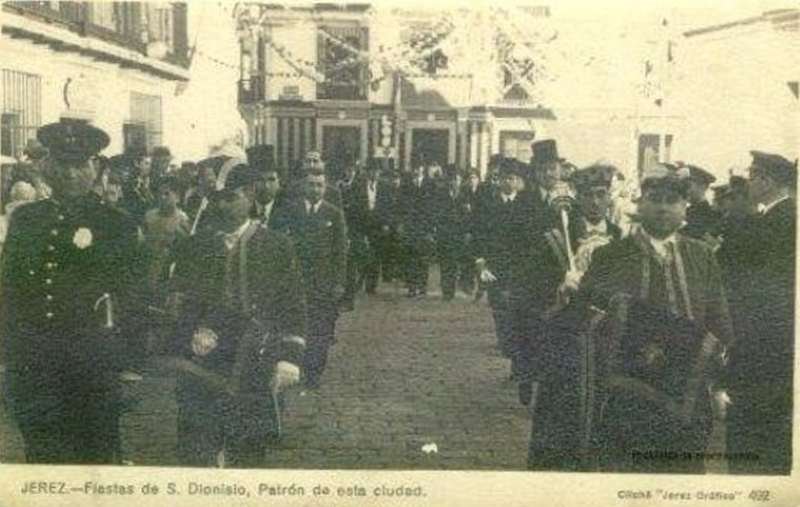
32	272
48	281
61	217
54	232
49	297
49	315
50	248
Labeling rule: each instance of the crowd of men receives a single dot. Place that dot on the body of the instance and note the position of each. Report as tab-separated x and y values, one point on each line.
628	323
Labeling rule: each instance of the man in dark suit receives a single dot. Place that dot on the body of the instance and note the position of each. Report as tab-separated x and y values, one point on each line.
452	214
319	231
417	229
362	225
66	276
243	321
531	283
760	370
389	214
702	221
501	223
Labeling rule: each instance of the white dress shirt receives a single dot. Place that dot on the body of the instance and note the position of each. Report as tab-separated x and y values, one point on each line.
372	193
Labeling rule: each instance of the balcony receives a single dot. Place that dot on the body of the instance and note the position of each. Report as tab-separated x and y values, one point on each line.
252	90
123	26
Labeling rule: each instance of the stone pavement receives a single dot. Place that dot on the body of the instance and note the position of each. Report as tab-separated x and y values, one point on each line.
403	374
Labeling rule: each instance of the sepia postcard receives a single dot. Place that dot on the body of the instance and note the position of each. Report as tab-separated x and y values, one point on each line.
399	253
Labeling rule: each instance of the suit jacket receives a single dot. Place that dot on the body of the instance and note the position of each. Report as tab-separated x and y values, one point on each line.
274	288
763	354
321	241
452	217
417	207
361	221
58	264
388	207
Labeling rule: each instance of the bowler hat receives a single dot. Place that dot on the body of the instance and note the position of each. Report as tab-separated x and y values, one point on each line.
545	151
72	139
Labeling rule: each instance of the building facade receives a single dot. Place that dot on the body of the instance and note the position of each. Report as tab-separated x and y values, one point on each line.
304	87
115	64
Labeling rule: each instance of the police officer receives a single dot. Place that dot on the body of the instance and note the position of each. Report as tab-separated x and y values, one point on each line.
64	282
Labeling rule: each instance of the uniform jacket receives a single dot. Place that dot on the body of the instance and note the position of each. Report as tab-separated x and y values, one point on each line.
58	265
763	353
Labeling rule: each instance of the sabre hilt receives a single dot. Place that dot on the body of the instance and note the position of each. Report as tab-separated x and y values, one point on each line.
109	305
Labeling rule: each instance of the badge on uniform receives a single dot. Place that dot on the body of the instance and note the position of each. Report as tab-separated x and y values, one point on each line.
82	238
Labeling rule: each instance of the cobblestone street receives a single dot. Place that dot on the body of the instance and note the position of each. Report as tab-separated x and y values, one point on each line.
404	373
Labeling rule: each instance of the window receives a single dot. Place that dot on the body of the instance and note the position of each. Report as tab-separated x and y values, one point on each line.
160	23
146	114
345	76
21	110
104	14
517	144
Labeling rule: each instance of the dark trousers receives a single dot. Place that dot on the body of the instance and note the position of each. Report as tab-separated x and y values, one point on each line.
390	256
499	301
321	335
80	431
209	422
363	269
417	267
759	431
453	268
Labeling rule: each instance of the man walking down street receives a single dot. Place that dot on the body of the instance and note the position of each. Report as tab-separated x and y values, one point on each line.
320	235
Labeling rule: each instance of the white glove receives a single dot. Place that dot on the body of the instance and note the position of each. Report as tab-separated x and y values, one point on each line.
721	402
572	280
286	375
486	276
204	341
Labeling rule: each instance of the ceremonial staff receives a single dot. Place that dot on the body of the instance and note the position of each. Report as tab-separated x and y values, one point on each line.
561	198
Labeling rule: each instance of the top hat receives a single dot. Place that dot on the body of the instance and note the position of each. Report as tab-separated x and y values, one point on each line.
72	139
545	151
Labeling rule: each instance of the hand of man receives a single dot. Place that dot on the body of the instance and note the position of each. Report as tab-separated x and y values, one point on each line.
487	276
286	375
721	402
204	341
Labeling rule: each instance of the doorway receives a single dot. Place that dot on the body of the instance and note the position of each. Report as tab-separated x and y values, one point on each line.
429	145
341	146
